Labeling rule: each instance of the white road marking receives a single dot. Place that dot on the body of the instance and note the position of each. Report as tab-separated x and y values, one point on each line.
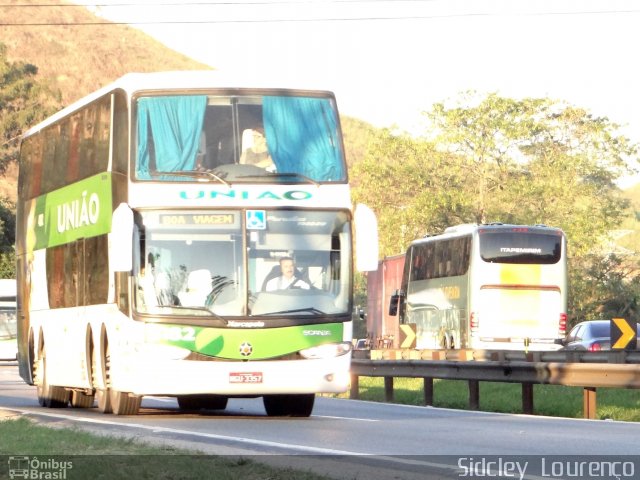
347	418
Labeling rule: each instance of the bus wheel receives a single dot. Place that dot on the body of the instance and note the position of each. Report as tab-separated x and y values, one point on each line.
102	394
119	403
48	395
104	401
202	402
81	400
300	405
123	403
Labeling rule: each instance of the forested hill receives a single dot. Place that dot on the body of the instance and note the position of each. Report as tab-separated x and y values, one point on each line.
80	58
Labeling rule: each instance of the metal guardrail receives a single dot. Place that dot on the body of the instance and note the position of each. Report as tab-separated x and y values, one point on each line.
559	356
590	370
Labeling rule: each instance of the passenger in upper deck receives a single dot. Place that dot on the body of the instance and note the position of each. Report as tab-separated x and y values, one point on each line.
254	149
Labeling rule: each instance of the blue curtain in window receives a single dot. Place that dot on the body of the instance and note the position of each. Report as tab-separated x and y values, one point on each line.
302	137
176	124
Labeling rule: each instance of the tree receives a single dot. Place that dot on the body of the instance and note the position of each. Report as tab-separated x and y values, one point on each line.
413	188
538	161
23	102
486	136
605	286
7	239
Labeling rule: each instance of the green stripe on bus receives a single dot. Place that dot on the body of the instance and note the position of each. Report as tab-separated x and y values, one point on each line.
80	210
244	344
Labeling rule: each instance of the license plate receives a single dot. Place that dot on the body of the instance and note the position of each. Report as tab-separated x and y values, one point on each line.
245	377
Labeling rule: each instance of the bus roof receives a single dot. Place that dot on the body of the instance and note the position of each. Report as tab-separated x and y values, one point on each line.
468	228
178	79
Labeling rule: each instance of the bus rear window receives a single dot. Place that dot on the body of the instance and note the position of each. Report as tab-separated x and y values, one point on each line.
520	247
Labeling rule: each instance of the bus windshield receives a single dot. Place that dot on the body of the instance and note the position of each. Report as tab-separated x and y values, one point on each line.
238	138
523	247
243	263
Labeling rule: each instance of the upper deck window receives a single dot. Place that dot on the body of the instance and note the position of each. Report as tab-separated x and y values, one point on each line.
238	138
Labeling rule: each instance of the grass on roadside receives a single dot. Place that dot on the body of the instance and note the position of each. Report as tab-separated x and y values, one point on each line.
550	400
101	457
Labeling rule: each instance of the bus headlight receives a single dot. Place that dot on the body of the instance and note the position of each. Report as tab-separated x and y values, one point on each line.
328	350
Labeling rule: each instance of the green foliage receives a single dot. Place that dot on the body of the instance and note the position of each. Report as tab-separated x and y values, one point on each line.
412	187
604	287
357	136
7	239
8	265
23	102
7	226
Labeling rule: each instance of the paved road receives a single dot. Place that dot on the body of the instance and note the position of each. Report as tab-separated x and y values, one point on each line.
355	439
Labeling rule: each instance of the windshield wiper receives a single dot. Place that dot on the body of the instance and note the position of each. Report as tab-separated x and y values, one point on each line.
199	174
199	309
312	310
286	174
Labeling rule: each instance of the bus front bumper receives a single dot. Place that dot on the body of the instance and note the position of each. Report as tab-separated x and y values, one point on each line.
184	377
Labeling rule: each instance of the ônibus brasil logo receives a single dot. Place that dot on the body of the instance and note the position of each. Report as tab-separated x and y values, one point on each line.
37	468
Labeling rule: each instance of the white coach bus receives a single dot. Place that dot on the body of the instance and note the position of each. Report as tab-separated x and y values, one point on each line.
152	215
486	287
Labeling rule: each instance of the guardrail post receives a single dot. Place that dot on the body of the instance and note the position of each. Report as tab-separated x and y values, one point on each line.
388	389
589	402
527	398
428	391
355	387
474	395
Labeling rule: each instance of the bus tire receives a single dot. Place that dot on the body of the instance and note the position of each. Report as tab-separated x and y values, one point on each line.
99	375
298	405
81	400
104	400
49	396
202	402
123	403
114	401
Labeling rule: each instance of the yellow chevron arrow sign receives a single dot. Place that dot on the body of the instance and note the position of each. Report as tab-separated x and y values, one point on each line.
408	335
627	333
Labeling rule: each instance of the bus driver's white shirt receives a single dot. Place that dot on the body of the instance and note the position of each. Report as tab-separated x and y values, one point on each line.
282	283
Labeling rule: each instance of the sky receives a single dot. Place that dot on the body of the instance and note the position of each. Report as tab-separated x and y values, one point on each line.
388	61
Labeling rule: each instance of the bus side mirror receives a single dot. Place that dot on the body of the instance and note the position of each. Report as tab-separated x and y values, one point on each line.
366	239
121	239
394	303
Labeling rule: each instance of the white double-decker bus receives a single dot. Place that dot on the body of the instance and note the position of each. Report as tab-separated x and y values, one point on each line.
182	236
501	287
